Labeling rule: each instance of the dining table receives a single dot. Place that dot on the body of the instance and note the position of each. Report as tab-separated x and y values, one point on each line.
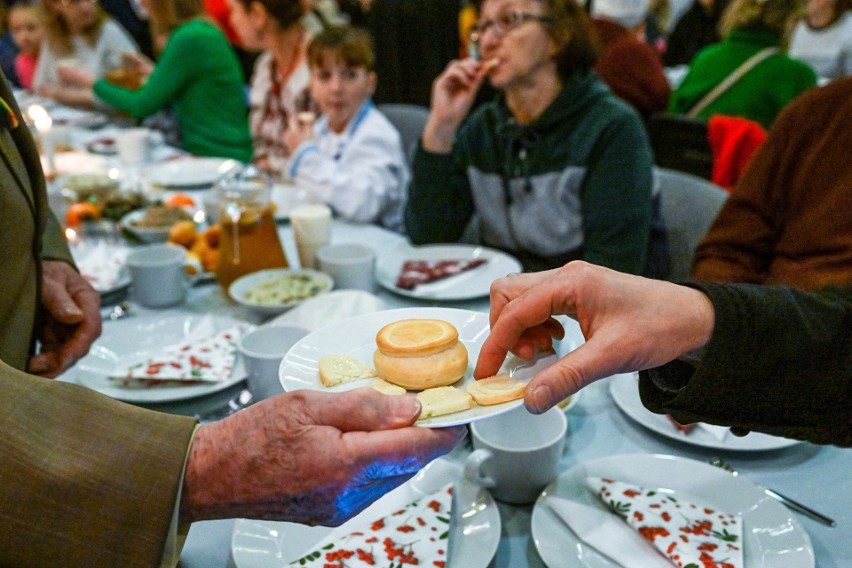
819	476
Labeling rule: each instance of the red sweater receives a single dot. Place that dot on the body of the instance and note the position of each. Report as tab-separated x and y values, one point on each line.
789	218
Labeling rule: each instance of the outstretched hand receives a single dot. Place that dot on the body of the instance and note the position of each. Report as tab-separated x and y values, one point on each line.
71	319
308	457
630	323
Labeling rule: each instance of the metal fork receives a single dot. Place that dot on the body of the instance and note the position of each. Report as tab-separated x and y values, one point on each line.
783	499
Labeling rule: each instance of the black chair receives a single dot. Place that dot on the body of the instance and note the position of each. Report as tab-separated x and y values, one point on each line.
681	143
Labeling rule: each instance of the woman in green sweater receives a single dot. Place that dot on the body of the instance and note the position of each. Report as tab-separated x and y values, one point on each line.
197	75
748	26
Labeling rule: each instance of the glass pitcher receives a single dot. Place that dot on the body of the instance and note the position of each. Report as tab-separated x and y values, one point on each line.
249	238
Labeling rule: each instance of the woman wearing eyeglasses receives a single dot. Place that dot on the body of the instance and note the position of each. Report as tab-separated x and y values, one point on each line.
556	167
78	34
197	75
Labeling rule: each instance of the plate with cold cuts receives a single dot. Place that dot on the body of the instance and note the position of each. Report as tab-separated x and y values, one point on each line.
463	272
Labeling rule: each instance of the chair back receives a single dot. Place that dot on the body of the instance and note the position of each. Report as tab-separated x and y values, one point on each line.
409	120
689	206
681	143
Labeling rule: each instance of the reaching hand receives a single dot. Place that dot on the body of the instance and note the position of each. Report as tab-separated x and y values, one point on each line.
71	319
308	457
453	93
75	76
630	323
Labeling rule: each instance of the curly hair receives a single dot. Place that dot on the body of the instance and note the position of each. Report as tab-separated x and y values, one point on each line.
776	15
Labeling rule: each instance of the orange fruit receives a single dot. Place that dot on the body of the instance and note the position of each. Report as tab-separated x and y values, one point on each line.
212	235
183	233
210	259
180	200
81	212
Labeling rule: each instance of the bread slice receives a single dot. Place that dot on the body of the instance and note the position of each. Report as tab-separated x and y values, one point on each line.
496	389
416	337
338	369
385	387
443	400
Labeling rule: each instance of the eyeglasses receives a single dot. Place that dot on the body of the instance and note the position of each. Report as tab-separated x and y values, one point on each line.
77	2
506	22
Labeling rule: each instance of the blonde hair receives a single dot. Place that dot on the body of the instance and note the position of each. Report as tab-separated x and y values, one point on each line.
58	34
775	15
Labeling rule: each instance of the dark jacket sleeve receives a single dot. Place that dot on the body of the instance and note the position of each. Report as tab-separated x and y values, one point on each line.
779	362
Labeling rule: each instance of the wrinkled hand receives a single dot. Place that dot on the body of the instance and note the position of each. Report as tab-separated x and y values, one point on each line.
630	324
72	319
308	457
74	76
453	94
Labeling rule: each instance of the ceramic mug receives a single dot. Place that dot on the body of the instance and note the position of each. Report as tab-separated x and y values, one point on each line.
516	454
159	274
311	231
350	265
263	349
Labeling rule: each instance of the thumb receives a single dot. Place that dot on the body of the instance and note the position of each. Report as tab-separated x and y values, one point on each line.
61	306
366	409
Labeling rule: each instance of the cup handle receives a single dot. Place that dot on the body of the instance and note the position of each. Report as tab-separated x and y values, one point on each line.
196	264
473	468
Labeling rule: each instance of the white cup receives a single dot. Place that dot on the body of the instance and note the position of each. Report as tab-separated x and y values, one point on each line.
134	145
159	275
516	454
262	350
350	265
311	230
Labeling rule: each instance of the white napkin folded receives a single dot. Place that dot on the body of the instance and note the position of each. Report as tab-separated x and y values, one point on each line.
204	356
101	265
326	309
416	534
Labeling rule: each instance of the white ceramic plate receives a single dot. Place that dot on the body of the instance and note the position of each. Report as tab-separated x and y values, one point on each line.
357	337
127	340
772	537
475	283
188	173
267	544
241	286
625	392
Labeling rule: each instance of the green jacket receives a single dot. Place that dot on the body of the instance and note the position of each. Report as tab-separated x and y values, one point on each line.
573	184
760	94
198	75
31	235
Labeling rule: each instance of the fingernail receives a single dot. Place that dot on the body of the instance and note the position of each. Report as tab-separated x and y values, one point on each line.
542	398
406	409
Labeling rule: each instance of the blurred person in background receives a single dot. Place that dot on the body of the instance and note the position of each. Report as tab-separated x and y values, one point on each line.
695	30
352	158
752	29
8	49
279	85
132	17
25	24
556	168
81	37
823	38
628	65
197	75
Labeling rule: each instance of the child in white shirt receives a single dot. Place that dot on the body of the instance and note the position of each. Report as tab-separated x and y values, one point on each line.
352	158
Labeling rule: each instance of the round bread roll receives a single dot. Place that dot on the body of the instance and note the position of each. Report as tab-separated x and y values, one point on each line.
418	354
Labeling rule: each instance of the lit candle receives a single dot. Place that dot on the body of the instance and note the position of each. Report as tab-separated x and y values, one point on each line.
43	124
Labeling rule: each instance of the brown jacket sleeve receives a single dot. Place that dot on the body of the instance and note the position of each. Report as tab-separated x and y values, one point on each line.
87	481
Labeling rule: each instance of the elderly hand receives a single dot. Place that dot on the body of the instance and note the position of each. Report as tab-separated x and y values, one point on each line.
630	323
453	94
74	76
71	319
308	457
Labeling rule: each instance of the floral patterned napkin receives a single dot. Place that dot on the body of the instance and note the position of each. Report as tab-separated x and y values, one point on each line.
688	534
414	535
205	356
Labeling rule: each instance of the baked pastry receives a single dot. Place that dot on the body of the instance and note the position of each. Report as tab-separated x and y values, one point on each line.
418	354
338	369
496	389
443	400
